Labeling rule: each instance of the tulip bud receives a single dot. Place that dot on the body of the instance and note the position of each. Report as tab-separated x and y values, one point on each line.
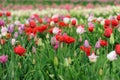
40	42
0	47
66	62
47	36
69	60
100	30
33	49
97	52
112	39
100	72
55	61
19	65
80	39
33	62
75	53
61	45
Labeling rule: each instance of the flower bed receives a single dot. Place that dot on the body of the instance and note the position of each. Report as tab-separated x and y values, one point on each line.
60	44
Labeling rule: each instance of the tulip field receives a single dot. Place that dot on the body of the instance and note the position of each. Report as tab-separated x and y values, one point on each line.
60	44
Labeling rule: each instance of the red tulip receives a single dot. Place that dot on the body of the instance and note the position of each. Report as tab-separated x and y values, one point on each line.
42	28
20	50
108	32
62	24
73	21
82	48
65	38
91	29
36	15
8	14
118	17
106	26
1	14
103	43
107	22
28	30
86	50
68	16
2	41
114	22
35	30
51	30
40	20
32	24
59	38
117	49
68	39
55	19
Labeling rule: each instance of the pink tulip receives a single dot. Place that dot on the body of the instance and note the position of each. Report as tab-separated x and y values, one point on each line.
3	58
97	45
56	46
86	43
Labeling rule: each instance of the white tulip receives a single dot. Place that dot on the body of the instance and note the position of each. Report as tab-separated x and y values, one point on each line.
80	30
102	22
13	41
55	30
3	31
66	20
17	22
99	19
55	16
52	23
93	57
112	56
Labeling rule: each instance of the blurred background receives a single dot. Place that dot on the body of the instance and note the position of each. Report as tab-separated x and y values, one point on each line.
42	4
